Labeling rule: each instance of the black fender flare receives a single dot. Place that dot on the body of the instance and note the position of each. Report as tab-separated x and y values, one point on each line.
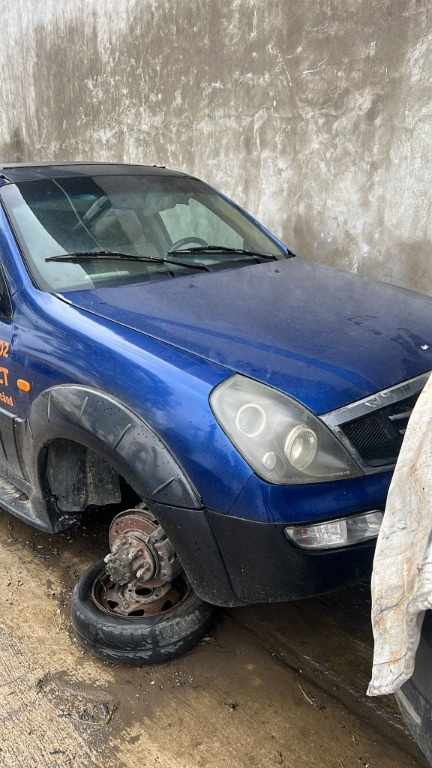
113	431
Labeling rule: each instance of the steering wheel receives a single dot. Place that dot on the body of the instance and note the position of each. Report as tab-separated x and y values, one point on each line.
184	240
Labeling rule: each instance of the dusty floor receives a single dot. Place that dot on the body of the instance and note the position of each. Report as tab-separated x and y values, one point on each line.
275	685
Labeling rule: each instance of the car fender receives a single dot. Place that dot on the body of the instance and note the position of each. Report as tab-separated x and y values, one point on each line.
113	431
129	445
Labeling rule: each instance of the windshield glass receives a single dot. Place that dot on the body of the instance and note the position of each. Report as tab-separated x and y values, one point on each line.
148	217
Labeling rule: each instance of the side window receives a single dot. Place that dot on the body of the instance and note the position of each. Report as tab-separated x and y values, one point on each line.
5	302
196	220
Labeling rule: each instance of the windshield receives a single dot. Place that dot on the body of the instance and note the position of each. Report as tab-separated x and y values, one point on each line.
77	232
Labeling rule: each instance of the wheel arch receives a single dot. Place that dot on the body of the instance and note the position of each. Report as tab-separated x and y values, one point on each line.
114	432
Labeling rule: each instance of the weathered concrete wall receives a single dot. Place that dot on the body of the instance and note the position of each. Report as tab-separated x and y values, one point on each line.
315	115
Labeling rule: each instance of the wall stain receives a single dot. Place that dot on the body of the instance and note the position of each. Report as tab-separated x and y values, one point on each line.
314	116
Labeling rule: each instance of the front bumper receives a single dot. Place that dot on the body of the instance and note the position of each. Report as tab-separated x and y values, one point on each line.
231	561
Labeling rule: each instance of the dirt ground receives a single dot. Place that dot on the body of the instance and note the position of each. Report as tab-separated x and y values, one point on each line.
272	685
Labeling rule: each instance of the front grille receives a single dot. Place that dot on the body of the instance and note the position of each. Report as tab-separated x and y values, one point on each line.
377	436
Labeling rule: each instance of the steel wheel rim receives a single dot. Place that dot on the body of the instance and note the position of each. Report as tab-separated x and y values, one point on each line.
146	602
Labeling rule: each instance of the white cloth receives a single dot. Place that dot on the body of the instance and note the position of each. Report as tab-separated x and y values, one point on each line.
402	573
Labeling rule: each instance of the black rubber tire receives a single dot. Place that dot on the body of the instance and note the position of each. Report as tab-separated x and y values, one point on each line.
133	641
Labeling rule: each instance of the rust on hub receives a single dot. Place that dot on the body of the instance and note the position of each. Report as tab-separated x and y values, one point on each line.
143	573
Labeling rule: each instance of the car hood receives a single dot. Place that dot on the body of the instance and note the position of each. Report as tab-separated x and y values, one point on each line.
324	337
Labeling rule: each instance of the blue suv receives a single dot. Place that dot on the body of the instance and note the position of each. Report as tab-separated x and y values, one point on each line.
236	410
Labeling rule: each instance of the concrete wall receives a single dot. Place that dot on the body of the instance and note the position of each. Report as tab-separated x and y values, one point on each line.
314	115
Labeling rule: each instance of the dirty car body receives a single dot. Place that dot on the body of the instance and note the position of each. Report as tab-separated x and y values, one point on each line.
165	355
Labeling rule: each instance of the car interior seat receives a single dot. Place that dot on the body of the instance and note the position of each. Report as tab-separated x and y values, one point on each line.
121	230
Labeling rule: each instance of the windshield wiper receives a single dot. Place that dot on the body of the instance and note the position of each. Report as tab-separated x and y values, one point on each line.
223	249
115	256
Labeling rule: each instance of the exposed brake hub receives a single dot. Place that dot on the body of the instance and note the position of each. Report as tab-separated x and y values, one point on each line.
141	554
141	569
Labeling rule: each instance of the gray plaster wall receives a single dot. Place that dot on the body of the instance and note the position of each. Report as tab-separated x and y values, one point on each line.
314	115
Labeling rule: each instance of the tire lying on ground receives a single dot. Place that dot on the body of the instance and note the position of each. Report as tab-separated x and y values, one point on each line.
137	639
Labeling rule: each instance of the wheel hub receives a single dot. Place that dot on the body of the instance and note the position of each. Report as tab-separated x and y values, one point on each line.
141	567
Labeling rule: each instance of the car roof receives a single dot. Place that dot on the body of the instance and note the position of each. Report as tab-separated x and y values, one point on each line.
14	172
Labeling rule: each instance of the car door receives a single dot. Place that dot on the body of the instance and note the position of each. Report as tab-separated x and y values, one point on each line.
9	384
415	696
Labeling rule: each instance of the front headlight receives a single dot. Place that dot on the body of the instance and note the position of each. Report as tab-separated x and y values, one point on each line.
279	438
